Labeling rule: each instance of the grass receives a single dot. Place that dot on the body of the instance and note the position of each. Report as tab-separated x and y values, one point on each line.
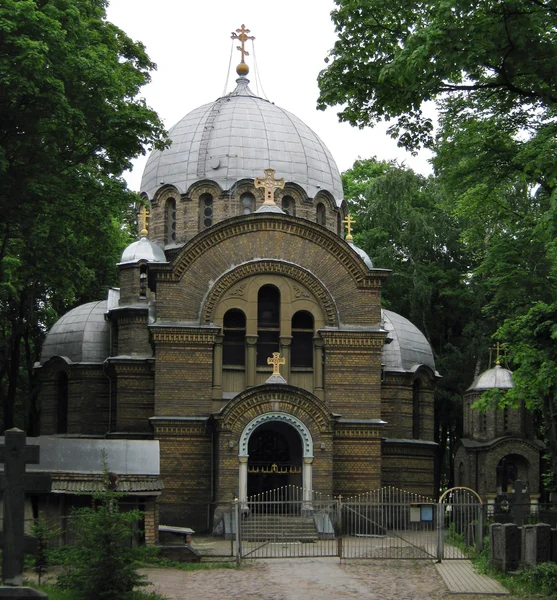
55	593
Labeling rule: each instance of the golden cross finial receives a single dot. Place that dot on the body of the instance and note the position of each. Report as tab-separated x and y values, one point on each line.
348	222
497	350
270	184
276	361
142	216
242	35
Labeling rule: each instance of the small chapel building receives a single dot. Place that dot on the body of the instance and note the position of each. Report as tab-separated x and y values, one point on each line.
245	349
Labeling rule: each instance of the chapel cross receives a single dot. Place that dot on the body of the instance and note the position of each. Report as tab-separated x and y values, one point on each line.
242	35
270	184
276	361
143	215
15	454
348	222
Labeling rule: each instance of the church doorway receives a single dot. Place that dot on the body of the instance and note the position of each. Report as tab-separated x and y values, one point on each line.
275	458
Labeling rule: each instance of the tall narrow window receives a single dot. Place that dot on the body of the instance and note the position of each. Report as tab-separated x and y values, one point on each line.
247	202
143	281
233	345
288	205
205	211
320	214
302	340
416	409
268	323
339	225
62	403
170	222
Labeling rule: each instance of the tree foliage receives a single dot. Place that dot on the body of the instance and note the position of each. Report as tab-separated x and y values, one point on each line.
70	123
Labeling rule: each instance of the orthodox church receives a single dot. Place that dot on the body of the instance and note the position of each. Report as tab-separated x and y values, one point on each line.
245	349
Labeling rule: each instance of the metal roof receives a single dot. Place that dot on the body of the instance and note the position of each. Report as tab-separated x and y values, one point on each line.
63	484
81	335
361	253
237	137
495	378
84	455
408	348
143	249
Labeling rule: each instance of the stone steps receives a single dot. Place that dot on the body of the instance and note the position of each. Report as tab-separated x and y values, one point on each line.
278	528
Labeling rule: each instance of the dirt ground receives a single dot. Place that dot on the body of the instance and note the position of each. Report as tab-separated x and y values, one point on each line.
308	579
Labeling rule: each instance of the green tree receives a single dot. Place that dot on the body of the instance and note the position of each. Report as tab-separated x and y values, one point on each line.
70	123
102	564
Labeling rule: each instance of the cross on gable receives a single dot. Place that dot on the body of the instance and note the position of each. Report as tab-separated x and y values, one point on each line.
348	222
270	184
276	361
16	454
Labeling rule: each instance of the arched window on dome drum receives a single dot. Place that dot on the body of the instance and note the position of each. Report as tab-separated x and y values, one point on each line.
143	281
289	205
233	344
416	393
170	222
268	323
247	203
61	402
320	214
205	211
302	340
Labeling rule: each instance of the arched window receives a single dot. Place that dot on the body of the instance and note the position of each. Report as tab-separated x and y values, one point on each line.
247	202
170	222
320	214
62	402
233	345
302	340
289	205
268	323
205	211
143	281
416	409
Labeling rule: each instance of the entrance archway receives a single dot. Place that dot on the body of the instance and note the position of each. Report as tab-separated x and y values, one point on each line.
275	450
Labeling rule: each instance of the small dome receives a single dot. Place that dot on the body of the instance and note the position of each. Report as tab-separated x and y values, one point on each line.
143	249
237	137
495	378
362	253
82	335
408	348
265	208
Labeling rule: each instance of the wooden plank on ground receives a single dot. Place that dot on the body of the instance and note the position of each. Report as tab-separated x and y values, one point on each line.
460	577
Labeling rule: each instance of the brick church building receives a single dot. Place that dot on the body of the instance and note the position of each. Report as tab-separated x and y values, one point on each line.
172	374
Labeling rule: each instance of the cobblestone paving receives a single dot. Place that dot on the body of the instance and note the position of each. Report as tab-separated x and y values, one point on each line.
308	579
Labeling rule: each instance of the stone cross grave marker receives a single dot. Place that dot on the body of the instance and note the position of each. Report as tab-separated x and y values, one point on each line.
521	502
14	483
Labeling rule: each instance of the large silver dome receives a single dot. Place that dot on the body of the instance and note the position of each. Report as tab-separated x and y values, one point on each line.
495	378
237	137
82	335
408	348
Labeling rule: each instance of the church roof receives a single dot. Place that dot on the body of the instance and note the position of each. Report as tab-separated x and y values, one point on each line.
237	137
408	348
143	249
495	378
81	335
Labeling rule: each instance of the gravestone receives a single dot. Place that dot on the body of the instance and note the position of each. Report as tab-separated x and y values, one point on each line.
505	546
536	544
14	483
520	504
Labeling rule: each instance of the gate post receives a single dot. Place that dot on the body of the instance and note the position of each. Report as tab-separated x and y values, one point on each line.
440	531
480	529
237	515
340	532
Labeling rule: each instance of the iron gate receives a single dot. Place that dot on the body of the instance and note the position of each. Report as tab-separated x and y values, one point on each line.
383	524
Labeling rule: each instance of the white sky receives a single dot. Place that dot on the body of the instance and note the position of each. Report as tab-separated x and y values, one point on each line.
189	40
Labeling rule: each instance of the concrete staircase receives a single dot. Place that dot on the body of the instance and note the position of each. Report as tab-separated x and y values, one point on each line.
278	528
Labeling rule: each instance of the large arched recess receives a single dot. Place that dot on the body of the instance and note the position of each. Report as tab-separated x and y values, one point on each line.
187	282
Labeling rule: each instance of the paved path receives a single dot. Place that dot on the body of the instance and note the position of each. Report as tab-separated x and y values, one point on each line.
461	578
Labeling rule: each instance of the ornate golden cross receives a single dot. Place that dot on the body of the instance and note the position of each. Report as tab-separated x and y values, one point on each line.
242	35
276	361
143	215
348	222
270	184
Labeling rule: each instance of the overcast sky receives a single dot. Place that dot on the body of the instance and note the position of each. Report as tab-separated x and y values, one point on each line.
189	40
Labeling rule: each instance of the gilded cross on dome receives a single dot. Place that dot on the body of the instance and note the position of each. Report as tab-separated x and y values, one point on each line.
242	35
348	222
270	184
143	215
276	361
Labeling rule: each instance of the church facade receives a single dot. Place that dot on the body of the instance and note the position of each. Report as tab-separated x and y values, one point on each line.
246	346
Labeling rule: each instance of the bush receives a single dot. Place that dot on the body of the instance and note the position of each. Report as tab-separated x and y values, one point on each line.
542	578
102	565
